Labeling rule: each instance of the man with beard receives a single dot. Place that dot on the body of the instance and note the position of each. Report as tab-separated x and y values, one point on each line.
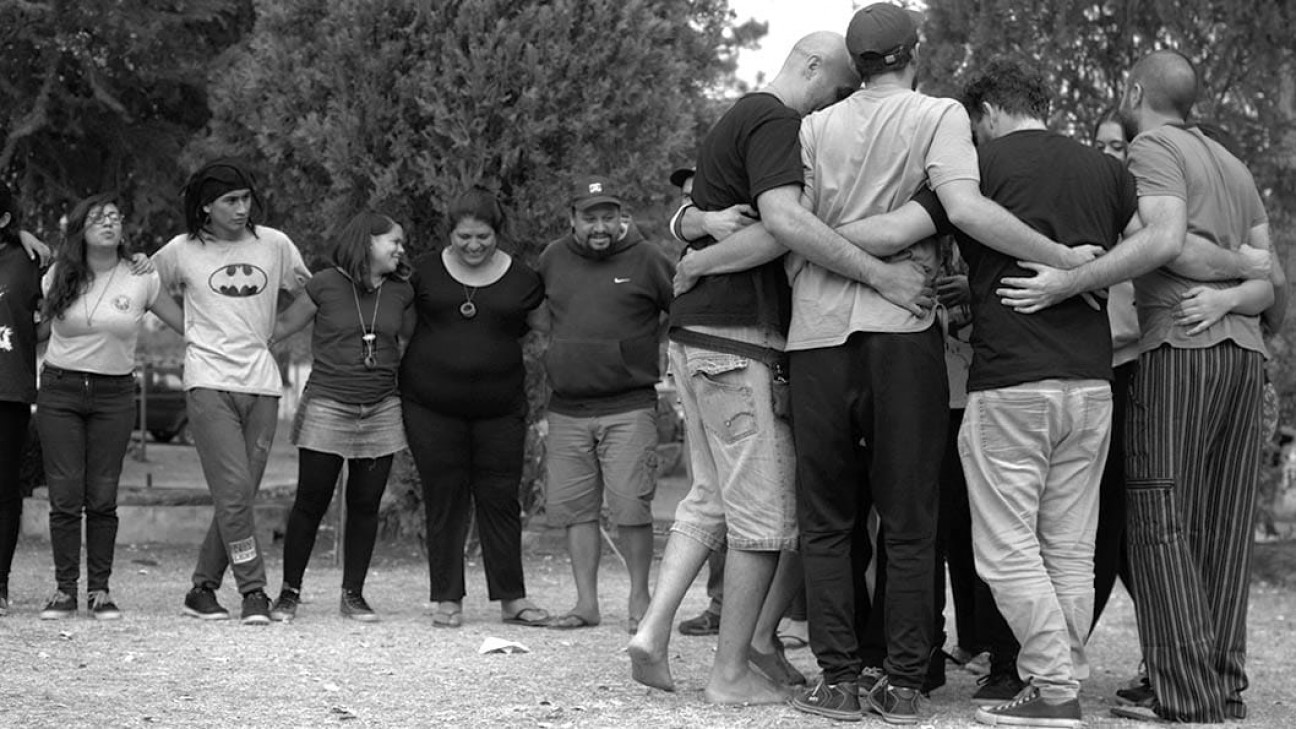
1193	438
606	295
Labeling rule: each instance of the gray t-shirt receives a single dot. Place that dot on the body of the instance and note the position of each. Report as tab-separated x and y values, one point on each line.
231	294
865	156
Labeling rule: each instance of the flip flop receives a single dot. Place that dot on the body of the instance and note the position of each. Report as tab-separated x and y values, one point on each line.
572	621
519	618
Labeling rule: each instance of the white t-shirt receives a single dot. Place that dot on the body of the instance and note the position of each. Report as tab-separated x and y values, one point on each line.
99	329
863	156
231	292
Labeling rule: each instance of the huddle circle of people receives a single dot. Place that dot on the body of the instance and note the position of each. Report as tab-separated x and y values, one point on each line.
902	332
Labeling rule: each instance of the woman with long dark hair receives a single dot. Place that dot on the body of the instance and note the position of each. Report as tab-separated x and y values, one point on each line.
86	405
350	411
465	406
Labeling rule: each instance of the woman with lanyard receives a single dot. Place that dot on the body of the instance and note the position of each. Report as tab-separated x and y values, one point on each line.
462	384
350	409
86	405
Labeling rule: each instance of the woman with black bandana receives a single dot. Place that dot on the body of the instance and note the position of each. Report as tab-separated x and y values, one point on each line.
231	271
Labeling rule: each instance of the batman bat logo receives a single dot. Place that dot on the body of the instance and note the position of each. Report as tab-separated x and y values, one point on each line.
238	280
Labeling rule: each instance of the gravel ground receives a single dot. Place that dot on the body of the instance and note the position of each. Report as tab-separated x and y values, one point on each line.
156	668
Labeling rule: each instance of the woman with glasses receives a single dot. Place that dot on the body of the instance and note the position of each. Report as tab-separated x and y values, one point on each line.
462	385
350	410
86	405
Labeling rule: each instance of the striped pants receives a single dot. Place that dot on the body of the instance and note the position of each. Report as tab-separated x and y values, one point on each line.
1192	459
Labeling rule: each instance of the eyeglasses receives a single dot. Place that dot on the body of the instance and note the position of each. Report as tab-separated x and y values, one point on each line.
104	219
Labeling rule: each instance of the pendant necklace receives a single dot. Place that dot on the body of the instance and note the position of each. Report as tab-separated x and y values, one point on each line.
468	309
369	337
89	313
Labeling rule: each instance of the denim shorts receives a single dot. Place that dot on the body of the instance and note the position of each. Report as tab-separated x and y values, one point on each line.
740	454
351	431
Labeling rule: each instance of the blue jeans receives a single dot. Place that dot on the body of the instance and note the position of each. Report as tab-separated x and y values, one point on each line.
233	433
85	421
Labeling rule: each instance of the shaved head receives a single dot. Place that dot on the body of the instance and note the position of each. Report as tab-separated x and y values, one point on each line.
1169	82
829	46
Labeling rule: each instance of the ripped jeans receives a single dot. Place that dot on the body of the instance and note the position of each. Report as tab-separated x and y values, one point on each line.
233	433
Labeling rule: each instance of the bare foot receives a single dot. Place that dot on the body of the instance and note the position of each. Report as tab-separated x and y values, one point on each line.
750	690
649	668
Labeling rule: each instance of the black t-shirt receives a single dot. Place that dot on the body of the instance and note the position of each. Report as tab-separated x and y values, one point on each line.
1074	195
469	368
20	295
754	148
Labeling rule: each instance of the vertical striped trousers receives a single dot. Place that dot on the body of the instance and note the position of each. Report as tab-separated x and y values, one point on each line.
1192	459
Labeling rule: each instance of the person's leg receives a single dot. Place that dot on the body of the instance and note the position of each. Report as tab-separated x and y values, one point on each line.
573	498
825	392
61	421
14	417
909	385
627	454
1109	543
442	450
698	531
366	482
748	576
955	523
497	445
1222	515
787	583
707	622
1005	442
317	475
108	432
1175	412
1068	512
233	434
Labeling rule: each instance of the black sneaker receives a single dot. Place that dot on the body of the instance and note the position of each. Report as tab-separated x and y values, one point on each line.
354	606
256	608
1137	695
1030	709
838	701
708	623
998	688
200	602
894	704
61	605
101	606
285	607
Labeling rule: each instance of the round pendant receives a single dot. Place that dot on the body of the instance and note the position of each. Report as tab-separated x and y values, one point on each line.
370	362
468	310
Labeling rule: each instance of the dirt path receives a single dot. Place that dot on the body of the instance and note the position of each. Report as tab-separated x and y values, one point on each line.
156	668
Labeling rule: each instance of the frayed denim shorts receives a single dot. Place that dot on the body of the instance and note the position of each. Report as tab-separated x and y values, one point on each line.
348	430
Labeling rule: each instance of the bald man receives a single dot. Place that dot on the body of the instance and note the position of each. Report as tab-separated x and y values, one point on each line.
1193	442
727	336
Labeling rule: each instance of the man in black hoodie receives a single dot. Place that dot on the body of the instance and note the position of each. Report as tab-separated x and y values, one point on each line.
606	294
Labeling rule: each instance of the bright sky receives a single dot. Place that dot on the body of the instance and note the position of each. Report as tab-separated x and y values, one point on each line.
789	21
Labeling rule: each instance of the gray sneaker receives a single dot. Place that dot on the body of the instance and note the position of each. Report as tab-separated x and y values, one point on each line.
256	608
838	701
285	606
894	704
354	606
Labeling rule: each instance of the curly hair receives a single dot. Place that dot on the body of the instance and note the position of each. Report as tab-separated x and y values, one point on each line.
210	182
72	276
1012	86
8	204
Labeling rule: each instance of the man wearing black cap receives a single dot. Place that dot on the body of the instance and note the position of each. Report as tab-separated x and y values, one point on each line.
231	271
606	295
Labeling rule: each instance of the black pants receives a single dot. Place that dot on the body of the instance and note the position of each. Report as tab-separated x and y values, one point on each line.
14	418
889	392
1111	557
317	475
470	463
